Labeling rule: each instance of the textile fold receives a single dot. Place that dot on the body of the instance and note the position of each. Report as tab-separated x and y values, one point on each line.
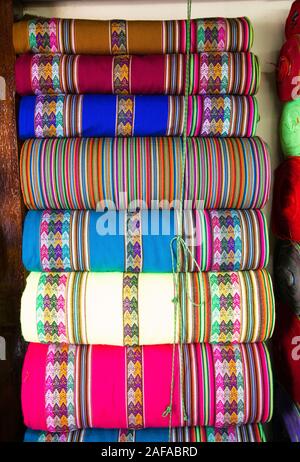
216	73
50	116
137	309
141	241
129	387
239	434
126	173
119	36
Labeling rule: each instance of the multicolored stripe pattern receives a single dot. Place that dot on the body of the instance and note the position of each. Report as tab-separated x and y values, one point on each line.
133	242
217	380
59	390
130	309
223	34
235	434
68	387
51	35
225	240
50	308
229	379
135	390
123	173
223	385
64	240
121	74
57	116
218	240
216	73
227	307
251	433
125	115
119	36
60	319
126	435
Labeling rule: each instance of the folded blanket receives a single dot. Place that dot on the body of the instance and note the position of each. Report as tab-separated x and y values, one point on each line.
50	116
286	346
287	273
125	173
288	70
290	128
286	207
210	73
219	240
119	36
116	387
138	309
292	25
252	433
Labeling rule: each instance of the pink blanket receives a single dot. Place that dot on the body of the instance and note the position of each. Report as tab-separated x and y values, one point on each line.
117	387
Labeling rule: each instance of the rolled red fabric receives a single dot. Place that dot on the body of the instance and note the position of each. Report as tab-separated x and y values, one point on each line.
292	25
288	70
285	220
286	345
211	73
79	386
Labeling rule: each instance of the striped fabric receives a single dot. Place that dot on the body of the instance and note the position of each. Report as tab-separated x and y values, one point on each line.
125	173
219	240
215	307
236	434
217	73
237	391
118	36
49	116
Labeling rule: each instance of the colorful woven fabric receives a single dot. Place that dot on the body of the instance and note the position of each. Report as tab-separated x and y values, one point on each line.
59	388
50	116
131	309
242	434
285	209
215	73
125	173
69	36
219	240
210	394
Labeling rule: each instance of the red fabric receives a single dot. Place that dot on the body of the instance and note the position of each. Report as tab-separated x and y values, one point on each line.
286	346
92	71
150	82
292	25
288	70
95	74
286	200
22	73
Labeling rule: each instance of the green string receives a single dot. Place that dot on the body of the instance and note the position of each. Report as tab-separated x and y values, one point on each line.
181	246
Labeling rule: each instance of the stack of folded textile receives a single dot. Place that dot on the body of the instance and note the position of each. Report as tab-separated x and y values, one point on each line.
102	114
286	226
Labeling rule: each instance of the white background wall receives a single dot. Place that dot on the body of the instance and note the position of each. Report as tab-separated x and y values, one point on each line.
268	19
